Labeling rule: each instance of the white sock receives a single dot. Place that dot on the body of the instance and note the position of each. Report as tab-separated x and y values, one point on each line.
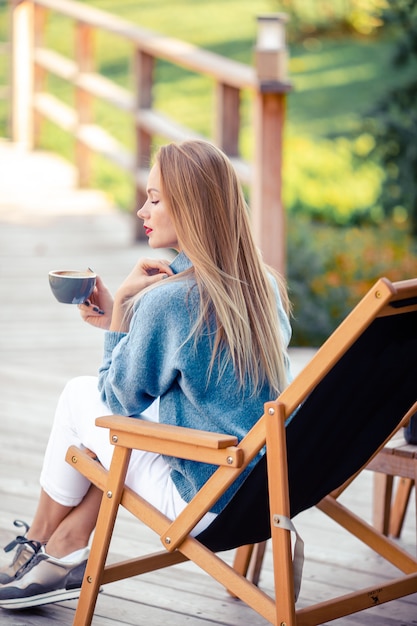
74	557
77	556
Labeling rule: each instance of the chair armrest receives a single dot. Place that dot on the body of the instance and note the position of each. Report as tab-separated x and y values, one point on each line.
88	467
177	441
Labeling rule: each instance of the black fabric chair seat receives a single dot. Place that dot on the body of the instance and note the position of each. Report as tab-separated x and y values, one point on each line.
335	431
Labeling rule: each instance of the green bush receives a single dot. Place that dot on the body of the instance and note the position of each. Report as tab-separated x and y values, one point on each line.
393	119
321	16
324	181
329	269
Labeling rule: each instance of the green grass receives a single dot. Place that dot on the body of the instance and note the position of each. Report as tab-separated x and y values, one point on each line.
338	82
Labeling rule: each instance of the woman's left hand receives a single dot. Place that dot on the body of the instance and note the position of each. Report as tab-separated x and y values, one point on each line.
98	309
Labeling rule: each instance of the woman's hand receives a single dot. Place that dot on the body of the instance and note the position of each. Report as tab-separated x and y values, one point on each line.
146	272
91	454
98	309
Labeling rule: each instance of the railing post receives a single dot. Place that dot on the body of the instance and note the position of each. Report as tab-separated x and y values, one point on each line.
227	119
143	74
39	74
84	50
268	216
22	72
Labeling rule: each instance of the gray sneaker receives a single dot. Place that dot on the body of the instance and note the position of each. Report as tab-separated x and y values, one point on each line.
43	580
25	550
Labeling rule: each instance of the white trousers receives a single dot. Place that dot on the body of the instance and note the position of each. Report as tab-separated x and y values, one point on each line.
74	424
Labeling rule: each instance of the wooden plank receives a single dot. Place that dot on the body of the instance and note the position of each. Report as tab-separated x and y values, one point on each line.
22	76
103	88
91	82
56	111
382	501
394	465
168	432
188	56
92	136
155	123
100	141
399	507
5	92
55	63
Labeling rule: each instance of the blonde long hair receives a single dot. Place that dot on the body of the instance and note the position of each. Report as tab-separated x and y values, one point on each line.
210	216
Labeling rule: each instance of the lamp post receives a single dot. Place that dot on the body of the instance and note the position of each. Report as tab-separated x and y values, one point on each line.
271	62
271	57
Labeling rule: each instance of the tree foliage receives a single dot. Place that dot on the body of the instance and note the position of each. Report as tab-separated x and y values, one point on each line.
393	121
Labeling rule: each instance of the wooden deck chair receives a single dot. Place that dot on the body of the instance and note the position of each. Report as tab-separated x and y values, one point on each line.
356	391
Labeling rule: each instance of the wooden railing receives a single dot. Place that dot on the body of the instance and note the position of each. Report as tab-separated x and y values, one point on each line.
5	92
31	104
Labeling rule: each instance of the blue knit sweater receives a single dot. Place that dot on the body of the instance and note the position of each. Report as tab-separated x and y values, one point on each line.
157	359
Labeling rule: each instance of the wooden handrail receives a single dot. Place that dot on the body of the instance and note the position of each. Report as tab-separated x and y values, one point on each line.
158	46
32	61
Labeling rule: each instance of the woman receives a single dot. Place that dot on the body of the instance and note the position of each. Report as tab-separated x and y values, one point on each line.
200	342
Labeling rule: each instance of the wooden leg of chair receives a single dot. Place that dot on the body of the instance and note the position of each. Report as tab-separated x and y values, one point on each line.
102	537
248	561
242	559
399	508
382	501
280	507
256	562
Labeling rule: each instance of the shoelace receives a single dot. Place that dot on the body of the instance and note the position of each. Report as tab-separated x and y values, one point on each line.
35	545
21	539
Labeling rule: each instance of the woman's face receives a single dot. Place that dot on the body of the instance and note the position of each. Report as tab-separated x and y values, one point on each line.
157	221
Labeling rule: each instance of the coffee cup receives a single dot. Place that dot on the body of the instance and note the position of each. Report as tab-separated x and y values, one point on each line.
72	286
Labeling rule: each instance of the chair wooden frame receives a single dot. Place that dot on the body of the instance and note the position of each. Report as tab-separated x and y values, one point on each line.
399	506
397	459
232	458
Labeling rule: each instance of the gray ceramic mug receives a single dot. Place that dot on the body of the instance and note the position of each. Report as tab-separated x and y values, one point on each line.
72	286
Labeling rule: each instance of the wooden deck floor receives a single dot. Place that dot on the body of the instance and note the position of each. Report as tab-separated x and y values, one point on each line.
45	224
